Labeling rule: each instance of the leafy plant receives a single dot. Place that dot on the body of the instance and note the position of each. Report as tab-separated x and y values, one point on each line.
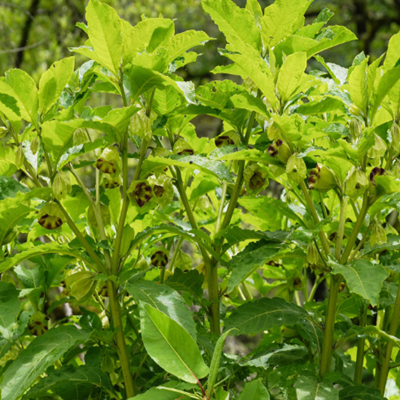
131	249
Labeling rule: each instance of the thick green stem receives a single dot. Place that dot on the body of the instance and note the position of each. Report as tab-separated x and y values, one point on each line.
389	347
314	214
342	222
360	349
120	340
326	356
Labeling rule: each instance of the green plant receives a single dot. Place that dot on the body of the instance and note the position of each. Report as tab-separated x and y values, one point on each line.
170	243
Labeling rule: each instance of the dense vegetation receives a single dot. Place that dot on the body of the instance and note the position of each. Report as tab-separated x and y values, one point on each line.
134	252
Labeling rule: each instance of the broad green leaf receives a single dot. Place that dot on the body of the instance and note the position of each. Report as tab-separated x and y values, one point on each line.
392	54
217	94
191	281
70	382
9	308
250	259
281	19
25	89
53	82
316	107
358	86
42	249
163	393
387	82
9	187
291	74
166	300
250	103
143	79
32	362
255	68
104	26
171	346
352	392
236	23
254	390
137	38
11	212
263	314
308	388
363	278
10	106
216	168
7	160
166	100
255	9
184	41
215	363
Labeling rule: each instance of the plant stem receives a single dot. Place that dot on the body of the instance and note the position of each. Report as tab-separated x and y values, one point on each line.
120	340
314	214
360	349
389	347
326	356
342	222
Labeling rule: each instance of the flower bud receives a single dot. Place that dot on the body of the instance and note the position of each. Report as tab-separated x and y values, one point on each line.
312	254
356	183
159	258
163	189
109	161
354	110
322	179
377	150
81	285
105	214
61	185
255	178
395	171
50	216
38	324
183	261
141	192
141	264
395	133
227	138
35	144
279	149
378	234
80	137
355	128
296	169
183	148
19	157
377	171
273	132
3	131
140	125
111	181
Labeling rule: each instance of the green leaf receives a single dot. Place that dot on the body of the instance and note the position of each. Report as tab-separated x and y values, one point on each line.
254	67
191	281
250	259
143	79
236	23
9	308
254	390
358	86
251	155
360	392
255	9
104	26
291	74
41	249
162	393
11	212
248	102
9	187
308	388
363	278
166	300
316	107
281	19
392	54
171	346
26	91
263	314
216	168
71	382
32	362
53	82
7	159
10	106
215	363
